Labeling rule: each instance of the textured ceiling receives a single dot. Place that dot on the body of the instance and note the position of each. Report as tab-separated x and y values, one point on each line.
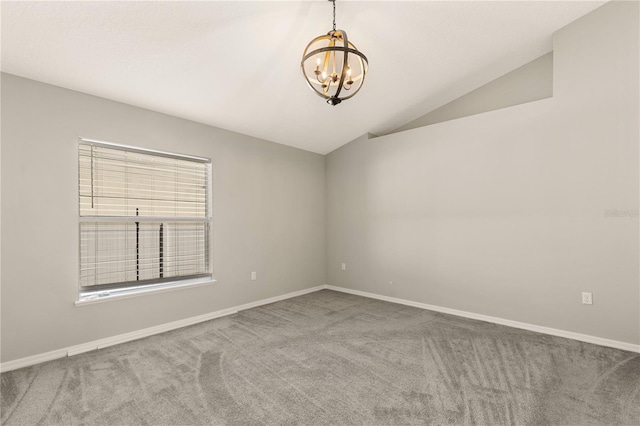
235	65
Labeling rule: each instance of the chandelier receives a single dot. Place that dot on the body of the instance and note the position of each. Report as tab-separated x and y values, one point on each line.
332	66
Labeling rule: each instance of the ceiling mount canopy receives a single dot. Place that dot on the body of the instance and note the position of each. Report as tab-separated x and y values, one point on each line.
332	66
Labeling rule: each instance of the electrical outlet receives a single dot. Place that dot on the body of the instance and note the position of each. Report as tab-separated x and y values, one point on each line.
344	266
587	298
253	276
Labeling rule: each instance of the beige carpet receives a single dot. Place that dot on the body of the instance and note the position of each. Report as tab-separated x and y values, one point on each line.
329	358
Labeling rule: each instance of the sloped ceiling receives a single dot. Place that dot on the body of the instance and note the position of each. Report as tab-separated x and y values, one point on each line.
235	64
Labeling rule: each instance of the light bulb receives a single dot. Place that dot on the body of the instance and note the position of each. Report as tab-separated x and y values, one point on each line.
318	61
324	75
349	71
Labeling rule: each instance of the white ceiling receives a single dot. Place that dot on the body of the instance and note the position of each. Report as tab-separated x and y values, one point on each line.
235	64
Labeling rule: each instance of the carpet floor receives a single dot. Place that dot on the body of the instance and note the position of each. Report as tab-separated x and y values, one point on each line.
329	358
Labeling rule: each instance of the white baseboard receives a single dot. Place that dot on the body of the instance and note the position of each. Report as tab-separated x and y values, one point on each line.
146	332
516	324
279	298
139	334
32	360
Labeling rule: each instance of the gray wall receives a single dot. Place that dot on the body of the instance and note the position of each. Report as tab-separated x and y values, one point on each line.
505	213
268	217
530	82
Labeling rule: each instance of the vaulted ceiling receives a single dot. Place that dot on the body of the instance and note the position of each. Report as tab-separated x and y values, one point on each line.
236	64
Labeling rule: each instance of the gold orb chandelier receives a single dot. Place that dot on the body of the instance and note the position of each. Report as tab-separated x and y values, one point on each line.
332	66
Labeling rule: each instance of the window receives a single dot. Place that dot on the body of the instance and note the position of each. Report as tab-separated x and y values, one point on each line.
145	219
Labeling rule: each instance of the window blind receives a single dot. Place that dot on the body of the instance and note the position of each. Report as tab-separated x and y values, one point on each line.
144	216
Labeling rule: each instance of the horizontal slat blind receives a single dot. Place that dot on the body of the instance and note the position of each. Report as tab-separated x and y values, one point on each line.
117	182
144	218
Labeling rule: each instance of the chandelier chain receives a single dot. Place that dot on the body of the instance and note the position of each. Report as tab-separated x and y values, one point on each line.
334	15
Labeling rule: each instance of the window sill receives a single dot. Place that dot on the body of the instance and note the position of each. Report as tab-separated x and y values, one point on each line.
99	297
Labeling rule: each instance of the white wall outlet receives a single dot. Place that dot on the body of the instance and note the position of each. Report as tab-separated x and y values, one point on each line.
344	266
253	276
587	298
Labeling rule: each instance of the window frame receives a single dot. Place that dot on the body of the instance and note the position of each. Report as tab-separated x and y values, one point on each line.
103	292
